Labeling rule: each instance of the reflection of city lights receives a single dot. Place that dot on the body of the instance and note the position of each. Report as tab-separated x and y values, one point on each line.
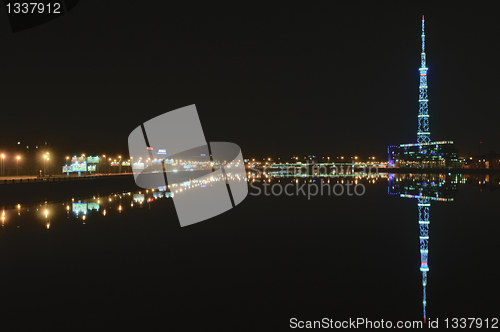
48	225
104	212
46	213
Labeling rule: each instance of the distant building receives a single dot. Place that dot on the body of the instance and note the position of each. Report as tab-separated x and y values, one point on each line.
488	161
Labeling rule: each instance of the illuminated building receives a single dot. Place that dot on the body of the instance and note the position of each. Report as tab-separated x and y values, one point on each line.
432	154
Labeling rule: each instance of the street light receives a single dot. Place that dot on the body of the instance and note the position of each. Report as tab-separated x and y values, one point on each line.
3	156
45	159
44	162
18	157
120	164
101	170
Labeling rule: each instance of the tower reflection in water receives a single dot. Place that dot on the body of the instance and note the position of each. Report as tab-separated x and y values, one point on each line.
425	188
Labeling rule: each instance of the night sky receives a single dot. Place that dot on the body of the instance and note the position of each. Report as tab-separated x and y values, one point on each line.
313	78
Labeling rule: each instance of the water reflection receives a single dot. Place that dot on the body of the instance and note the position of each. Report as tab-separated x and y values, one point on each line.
43	214
85	209
424	188
325	177
121	202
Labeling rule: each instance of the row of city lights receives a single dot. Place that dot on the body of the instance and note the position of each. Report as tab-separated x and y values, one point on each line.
3	156
2	164
314	157
46	156
104	156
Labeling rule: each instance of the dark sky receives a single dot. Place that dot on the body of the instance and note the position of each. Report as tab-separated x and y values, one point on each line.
326	78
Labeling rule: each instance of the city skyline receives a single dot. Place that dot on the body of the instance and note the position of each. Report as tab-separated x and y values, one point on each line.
334	80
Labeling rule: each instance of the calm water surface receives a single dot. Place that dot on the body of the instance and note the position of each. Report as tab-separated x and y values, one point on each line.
123	261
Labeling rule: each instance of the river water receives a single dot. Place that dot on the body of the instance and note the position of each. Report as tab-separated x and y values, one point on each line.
122	260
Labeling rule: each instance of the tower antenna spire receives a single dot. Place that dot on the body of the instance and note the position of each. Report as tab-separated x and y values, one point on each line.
423	133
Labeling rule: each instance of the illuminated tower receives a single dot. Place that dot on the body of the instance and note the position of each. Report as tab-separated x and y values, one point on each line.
423	136
423	133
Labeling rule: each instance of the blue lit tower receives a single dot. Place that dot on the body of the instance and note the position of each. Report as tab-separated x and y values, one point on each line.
423	133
